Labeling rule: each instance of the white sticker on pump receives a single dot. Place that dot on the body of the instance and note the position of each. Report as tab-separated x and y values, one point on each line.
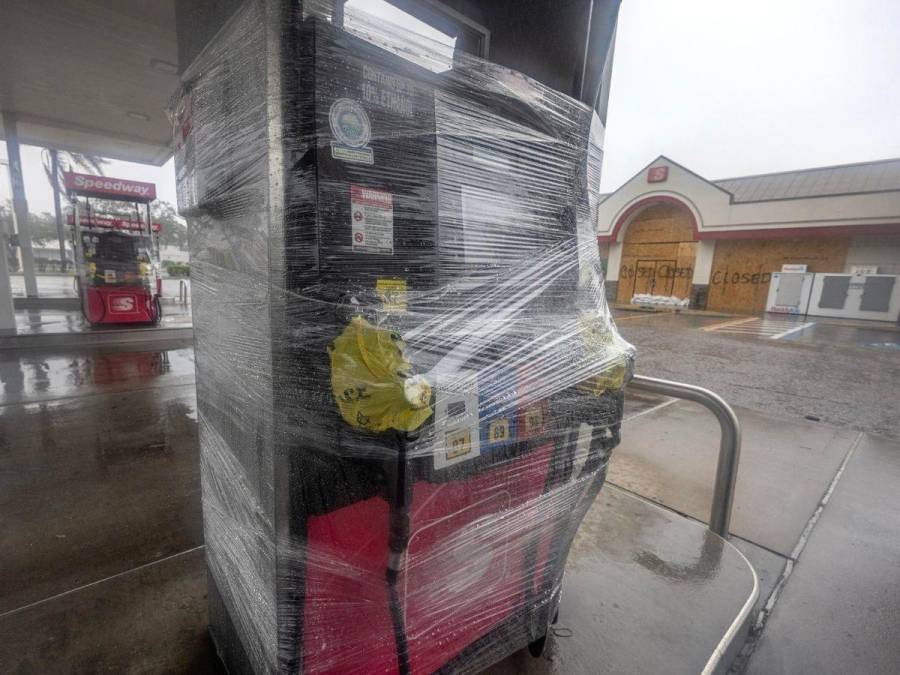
372	220
582	449
456	437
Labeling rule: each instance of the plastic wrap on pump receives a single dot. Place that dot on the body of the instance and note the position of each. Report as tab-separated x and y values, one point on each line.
409	382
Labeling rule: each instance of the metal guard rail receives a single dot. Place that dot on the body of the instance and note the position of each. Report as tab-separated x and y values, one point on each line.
729	444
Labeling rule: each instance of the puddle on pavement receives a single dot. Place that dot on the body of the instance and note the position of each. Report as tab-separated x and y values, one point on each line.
26	375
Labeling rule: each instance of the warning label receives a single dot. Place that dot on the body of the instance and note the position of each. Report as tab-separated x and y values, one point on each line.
372	220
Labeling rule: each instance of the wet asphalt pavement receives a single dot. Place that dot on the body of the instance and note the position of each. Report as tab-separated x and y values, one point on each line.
103	570
103	567
830	373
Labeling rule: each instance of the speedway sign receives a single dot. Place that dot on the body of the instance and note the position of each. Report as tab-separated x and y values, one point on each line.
104	187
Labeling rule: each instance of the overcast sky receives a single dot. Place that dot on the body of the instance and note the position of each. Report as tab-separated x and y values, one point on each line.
40	196
724	87
736	87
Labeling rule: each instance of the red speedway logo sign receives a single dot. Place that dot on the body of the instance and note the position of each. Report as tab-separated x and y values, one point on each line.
122	303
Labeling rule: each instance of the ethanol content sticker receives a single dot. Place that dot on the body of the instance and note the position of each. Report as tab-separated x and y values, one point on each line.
392	293
372	220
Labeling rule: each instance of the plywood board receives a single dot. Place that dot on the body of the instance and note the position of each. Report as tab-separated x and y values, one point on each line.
660	223
658	254
742	268
662	269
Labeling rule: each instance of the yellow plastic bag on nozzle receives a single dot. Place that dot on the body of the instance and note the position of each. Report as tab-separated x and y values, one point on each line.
372	382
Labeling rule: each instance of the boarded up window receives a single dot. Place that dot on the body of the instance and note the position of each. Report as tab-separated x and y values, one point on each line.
658	254
742	268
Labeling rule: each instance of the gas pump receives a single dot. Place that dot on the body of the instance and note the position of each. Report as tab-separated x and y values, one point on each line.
409	384
117	258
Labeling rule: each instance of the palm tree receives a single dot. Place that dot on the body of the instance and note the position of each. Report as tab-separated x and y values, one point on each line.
56	163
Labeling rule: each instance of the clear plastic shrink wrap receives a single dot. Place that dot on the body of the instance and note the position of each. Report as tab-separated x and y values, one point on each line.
409	383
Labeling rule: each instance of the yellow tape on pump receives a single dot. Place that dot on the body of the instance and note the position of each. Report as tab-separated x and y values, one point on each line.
372	383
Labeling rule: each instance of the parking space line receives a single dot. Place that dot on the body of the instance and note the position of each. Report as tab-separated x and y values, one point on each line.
658	406
770	328
792	330
726	324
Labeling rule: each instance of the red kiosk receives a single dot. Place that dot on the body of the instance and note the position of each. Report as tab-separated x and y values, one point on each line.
117	258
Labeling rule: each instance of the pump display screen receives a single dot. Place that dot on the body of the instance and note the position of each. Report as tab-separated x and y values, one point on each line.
487	216
495	212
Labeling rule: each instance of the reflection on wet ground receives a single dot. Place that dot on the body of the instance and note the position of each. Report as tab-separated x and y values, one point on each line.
645	591
86	501
30	375
98	467
63	286
704	567
876	337
786	465
55	321
100	500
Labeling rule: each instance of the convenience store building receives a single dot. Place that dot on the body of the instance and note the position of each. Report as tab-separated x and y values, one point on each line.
669	231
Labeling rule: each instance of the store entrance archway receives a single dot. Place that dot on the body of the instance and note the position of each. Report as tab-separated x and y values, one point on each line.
658	252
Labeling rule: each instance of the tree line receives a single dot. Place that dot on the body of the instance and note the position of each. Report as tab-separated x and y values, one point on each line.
42	226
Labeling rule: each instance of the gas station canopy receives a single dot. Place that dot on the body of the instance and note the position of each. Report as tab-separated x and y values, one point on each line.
96	76
92	76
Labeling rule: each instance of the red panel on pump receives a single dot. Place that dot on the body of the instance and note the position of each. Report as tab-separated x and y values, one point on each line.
346	595
94	305
465	573
466	569
119	304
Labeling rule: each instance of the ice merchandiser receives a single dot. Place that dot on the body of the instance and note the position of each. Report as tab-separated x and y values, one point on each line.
409	383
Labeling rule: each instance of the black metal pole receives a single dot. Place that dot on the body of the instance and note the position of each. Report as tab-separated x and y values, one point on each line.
400	498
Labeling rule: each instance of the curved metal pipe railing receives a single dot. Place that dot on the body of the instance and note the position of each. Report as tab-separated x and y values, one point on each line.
729	443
